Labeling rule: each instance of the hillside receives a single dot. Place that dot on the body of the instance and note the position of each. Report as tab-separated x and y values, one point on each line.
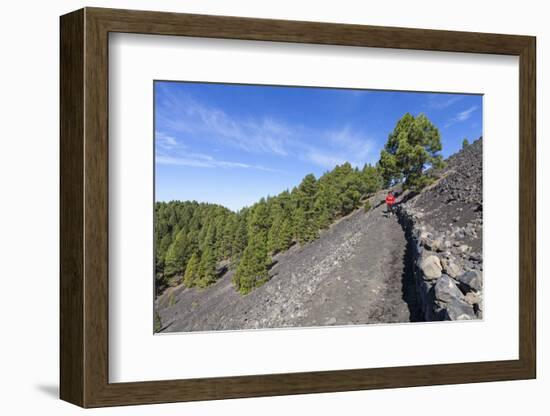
367	267
352	274
192	239
444	224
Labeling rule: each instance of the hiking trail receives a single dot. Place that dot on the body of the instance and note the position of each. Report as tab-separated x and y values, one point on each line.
358	271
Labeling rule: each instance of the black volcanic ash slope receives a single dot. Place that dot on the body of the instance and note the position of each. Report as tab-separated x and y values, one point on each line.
352	274
445	224
365	268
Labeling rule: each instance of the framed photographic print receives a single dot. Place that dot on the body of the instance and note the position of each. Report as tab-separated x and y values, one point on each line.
255	207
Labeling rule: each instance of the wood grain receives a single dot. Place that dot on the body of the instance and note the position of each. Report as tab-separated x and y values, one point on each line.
527	208
71	100
84	207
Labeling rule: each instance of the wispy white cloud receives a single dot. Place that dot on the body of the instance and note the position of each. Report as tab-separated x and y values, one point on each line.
352	143
439	102
340	146
182	114
171	152
462	116
165	141
465	115
325	160
205	161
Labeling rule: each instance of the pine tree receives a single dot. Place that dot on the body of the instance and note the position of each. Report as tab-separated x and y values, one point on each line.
413	144
209	239
465	143
181	230
192	241
259	219
161	249
306	224
240	238
350	195
371	179
253	266
176	256
226	246
217	223
207	265
285	235
207	268
323	205
274	233
304	230
191	271
273	236
347	188
287	225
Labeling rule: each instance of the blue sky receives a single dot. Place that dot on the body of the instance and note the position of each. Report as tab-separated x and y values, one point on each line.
233	144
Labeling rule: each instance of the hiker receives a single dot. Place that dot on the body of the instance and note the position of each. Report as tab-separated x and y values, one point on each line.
390	200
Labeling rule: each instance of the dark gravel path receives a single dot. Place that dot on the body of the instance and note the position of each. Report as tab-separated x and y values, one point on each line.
357	272
368	288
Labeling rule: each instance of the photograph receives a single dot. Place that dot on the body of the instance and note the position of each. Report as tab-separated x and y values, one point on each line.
298	206
308	206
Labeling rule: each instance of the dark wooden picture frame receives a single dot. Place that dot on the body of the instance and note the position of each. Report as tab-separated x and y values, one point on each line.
84	207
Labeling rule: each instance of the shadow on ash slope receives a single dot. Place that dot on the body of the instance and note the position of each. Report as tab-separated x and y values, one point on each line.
357	272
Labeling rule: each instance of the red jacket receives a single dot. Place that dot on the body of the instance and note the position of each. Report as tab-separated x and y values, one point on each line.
390	199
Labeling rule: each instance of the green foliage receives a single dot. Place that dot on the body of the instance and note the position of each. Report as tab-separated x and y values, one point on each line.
182	229
253	266
351	192
411	147
259	219
165	243
240	237
304	197
192	271
207	268
367	207
323	206
465	143
226	243
372	179
176	255
388	168
285	235
301	229
344	186
274	243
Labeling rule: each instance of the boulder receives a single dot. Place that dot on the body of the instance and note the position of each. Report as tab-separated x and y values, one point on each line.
472	298
430	267
471	280
446	290
435	244
449	301
456	310
451	268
